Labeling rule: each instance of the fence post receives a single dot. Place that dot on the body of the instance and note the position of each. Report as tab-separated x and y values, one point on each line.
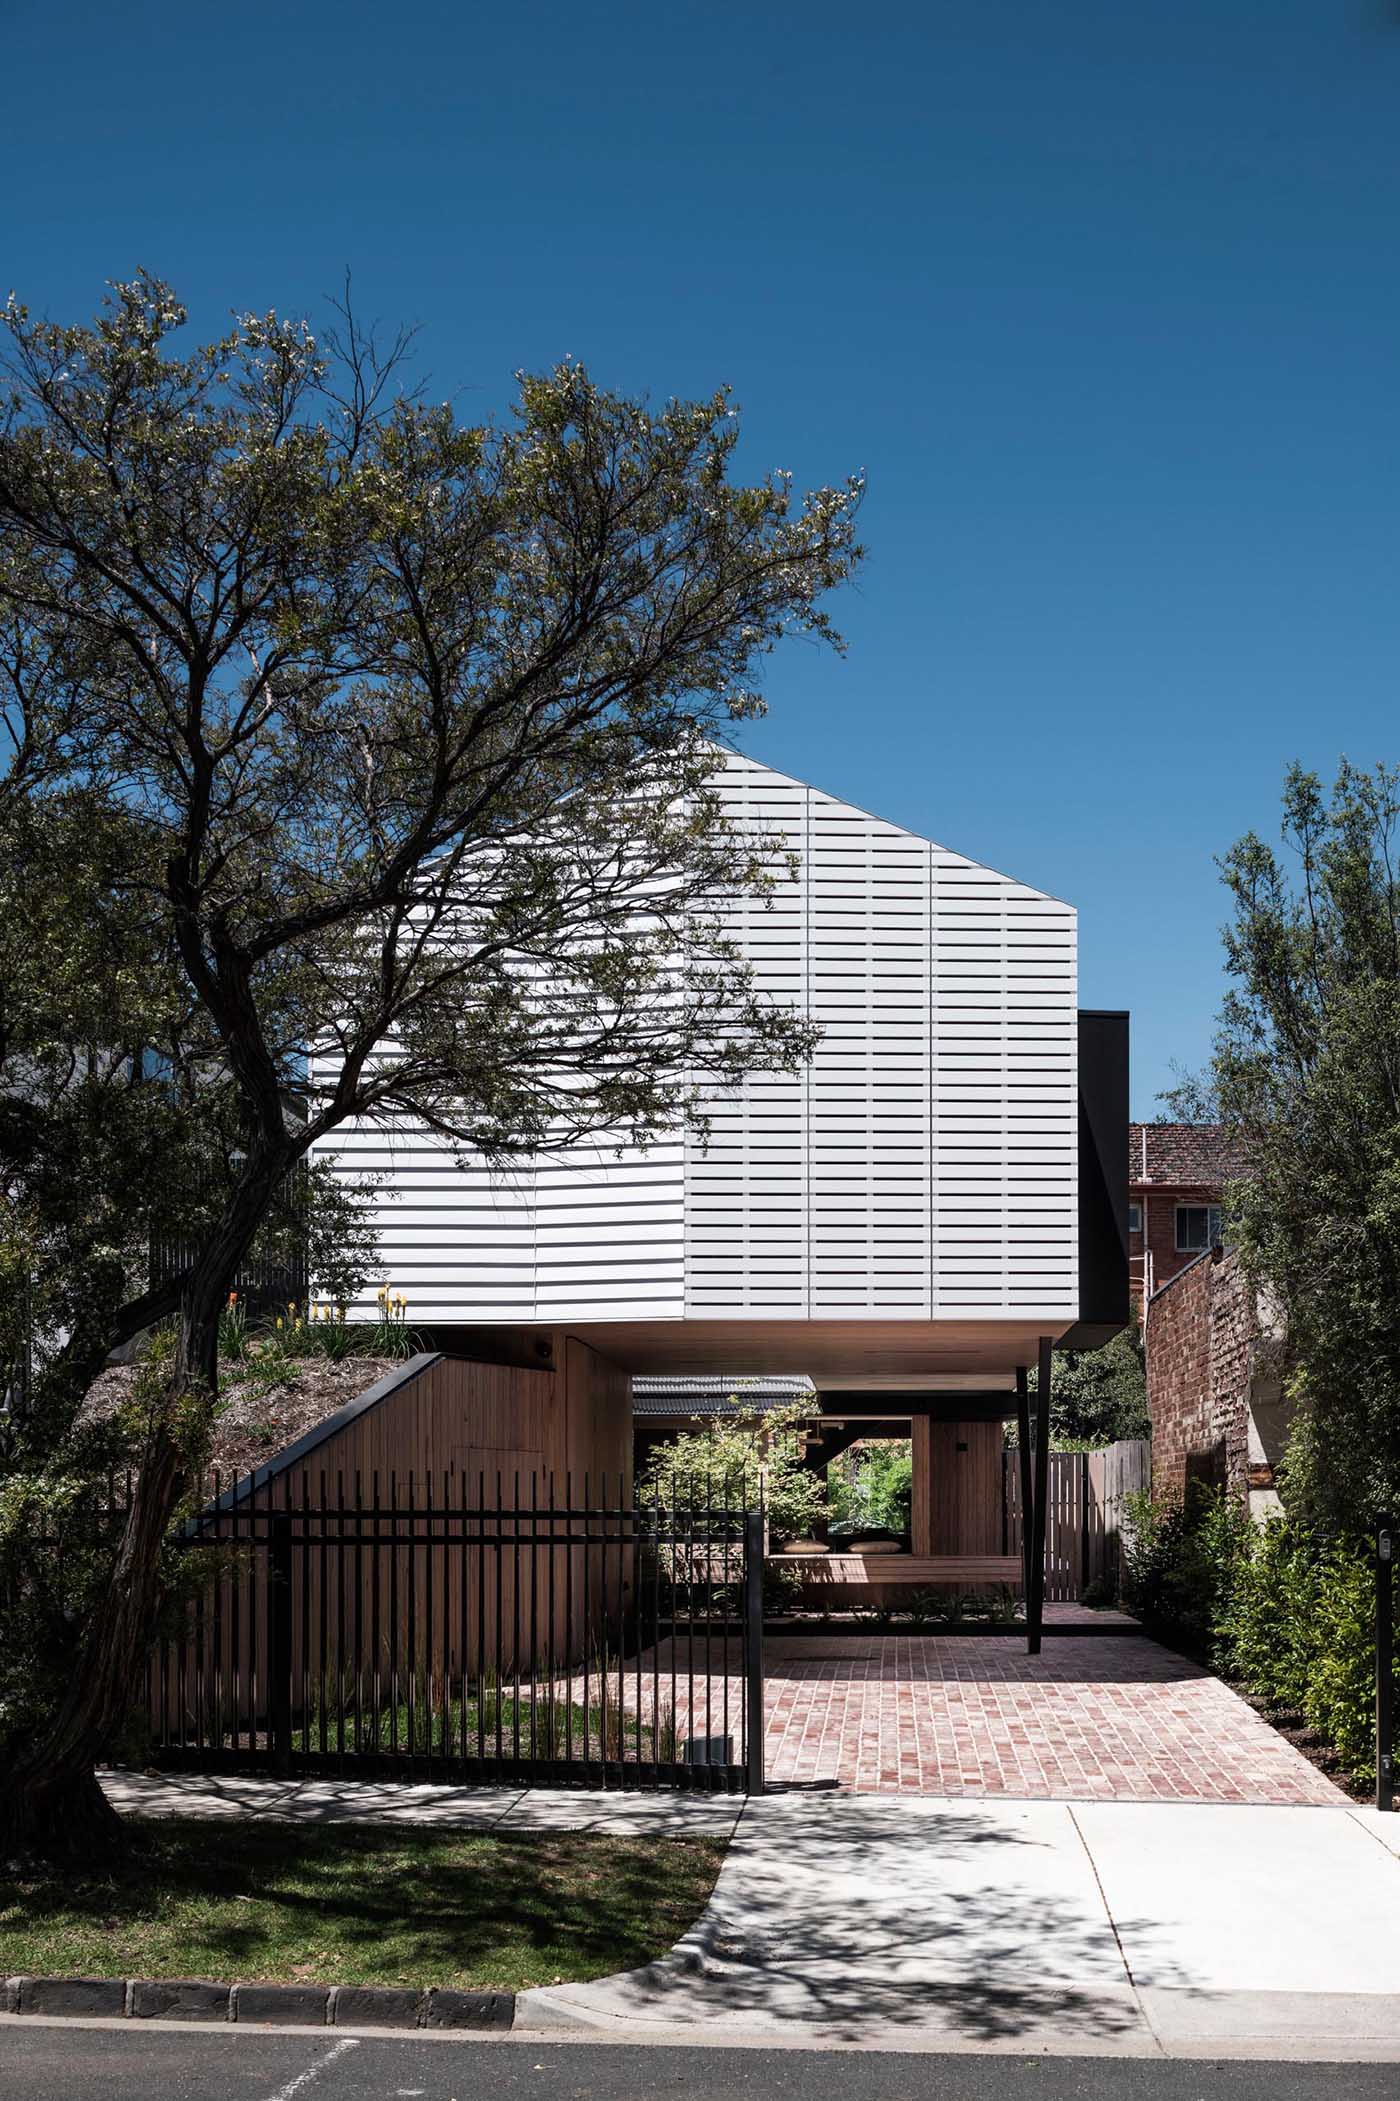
1385	1664
279	1646
753	1647
1035	1601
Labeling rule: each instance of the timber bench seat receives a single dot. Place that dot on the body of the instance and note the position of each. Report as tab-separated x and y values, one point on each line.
918	1571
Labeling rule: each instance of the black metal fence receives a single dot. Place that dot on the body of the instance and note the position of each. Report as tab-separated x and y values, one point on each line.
431	1629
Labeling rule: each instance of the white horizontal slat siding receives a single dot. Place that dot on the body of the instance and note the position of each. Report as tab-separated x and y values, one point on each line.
746	1191
927	1165
923	1166
458	1243
868	1095
1005	1083
610	1234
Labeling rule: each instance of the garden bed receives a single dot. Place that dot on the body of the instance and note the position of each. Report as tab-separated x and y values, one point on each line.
354	1905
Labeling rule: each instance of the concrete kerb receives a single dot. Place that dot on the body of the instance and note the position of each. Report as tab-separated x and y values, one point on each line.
190	1999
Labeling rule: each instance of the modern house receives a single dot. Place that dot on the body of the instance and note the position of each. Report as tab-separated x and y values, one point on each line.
907	1224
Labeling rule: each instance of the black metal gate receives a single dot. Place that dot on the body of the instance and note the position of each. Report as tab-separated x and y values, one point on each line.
353	1626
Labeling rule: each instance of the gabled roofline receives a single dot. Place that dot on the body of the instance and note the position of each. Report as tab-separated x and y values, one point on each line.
792	780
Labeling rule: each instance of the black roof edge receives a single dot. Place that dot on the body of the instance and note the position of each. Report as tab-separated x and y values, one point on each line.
303	1446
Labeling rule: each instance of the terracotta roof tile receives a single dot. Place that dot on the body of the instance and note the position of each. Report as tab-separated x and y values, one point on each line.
1187	1155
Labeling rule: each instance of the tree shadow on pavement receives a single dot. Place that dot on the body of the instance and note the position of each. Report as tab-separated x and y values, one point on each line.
871	1919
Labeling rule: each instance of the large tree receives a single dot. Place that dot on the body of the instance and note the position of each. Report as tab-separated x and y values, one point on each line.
1306	1073
405	728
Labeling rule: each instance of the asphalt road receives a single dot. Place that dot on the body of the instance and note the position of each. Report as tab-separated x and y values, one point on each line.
66	2063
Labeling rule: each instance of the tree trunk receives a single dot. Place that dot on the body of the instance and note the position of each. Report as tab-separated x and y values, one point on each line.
52	1802
65	1816
56	1773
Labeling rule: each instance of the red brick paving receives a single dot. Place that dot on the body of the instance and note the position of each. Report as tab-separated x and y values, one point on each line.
1093	1717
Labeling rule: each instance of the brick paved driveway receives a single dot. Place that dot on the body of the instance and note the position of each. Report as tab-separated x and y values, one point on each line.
1105	1717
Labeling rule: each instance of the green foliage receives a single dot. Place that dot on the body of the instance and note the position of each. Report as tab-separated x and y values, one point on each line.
877	1491
1306	1075
742	1459
320	711
1287	1613
1299	1631
1179	1561
341	1238
60	1527
1098	1396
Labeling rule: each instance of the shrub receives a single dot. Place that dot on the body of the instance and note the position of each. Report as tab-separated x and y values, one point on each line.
742	1459
1180	1563
1267	1632
877	1490
233	1330
1288	1615
1339	1700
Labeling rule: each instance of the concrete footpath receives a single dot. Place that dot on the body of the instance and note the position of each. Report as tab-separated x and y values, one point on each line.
897	1922
429	1807
1115	1928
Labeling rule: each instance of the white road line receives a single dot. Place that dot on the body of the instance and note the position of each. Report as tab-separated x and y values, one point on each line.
294	2086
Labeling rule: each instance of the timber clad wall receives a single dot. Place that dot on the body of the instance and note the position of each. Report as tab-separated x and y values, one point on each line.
924	1166
456	1434
957	1501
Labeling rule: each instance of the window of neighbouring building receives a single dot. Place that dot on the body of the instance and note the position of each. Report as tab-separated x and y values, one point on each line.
1198	1226
1135	1218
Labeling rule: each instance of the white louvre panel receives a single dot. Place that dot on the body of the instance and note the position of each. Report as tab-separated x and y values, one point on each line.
924	1166
868	1094
746	1192
459	1244
610	1235
1003	1195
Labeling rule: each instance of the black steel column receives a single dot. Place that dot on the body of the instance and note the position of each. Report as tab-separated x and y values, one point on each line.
1035	1601
1385	1665
753	1648
1023	1456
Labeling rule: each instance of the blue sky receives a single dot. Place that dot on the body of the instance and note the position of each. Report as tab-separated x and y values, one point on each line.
1102	297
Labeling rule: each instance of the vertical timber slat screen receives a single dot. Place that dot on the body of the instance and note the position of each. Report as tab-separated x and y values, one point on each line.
1084	1514
436	1627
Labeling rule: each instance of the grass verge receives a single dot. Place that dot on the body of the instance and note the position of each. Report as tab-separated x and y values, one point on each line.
350	1904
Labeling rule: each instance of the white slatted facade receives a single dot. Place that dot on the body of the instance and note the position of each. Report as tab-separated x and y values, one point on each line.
923	1167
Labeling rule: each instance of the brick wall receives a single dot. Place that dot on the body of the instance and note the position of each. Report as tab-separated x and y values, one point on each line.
1159	1231
1171	1164
1202	1337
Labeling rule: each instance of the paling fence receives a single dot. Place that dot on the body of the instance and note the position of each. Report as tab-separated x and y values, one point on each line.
554	1632
1085	1510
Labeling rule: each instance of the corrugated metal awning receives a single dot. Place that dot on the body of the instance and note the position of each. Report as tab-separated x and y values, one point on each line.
711	1394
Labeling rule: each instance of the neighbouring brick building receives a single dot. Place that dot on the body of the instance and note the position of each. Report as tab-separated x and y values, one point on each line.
1176	1179
1214	1383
